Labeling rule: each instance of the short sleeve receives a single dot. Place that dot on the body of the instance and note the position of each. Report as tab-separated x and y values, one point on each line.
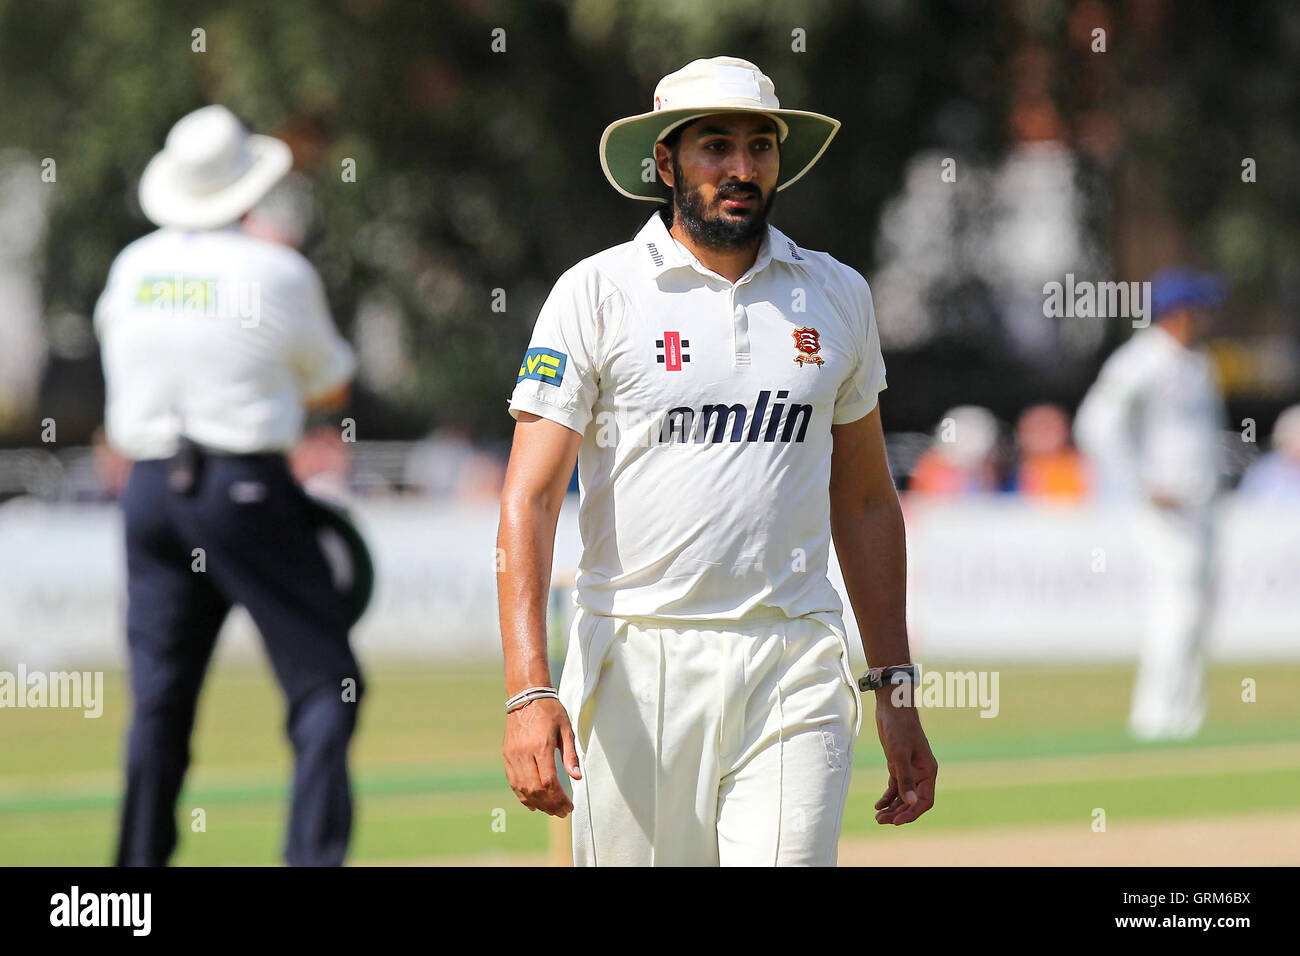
322	359
859	392
111	298
559	375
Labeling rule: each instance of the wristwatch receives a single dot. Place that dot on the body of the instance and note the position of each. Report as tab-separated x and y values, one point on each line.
878	677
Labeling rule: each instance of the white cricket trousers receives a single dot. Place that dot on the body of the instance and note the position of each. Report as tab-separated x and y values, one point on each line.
1169	693
702	747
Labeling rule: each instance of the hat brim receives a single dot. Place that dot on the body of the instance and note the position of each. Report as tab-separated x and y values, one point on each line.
359	584
167	204
627	143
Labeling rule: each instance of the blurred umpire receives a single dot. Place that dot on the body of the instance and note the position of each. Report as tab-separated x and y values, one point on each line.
215	345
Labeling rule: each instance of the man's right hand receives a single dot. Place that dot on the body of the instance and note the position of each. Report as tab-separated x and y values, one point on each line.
541	461
533	734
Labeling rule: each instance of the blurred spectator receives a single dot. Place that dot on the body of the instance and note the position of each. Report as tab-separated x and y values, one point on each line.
961	460
24	203
1049	466
1276	475
446	464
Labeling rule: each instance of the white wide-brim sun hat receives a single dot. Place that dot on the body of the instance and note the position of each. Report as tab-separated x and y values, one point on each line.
211	171
723	84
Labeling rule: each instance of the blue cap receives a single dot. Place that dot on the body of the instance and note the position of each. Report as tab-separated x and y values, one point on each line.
1179	288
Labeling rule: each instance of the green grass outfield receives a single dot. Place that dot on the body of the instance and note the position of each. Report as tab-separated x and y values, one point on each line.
430	785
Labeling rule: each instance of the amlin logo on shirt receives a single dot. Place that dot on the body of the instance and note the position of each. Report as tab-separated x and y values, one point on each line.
770	419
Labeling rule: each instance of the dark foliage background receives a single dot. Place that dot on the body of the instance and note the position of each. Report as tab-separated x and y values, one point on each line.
477	170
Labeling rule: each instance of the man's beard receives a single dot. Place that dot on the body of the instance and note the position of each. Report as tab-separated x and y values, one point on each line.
721	231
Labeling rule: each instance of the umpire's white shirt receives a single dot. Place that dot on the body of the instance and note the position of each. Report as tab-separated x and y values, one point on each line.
217	335
706	412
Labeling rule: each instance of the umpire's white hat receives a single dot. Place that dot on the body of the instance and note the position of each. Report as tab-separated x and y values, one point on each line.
211	171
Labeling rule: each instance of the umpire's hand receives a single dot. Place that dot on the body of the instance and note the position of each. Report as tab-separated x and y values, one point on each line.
533	734
912	767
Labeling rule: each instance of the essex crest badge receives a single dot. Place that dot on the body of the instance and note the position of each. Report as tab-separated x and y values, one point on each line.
808	344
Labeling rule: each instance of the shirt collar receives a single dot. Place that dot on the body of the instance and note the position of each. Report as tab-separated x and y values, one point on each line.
1165	340
660	252
230	228
783	247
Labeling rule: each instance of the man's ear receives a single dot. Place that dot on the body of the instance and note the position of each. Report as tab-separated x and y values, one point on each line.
664	164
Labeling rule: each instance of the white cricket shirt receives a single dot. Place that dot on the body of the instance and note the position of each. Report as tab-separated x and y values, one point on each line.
706	412
217	335
1151	421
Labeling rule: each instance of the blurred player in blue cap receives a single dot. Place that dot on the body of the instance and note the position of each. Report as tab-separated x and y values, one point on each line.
1151	425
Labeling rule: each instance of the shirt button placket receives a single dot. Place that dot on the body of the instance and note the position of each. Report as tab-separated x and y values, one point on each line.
739	330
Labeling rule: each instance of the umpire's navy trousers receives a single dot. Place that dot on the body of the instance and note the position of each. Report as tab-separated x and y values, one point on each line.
250	517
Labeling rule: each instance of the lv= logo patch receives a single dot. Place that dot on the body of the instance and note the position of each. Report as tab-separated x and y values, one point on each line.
544	365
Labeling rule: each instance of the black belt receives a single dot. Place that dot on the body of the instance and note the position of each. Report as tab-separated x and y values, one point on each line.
184	467
209	452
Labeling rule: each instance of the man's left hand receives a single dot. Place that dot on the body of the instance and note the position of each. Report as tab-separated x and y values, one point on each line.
912	767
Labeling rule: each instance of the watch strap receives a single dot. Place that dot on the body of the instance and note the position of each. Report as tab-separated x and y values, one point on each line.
877	677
